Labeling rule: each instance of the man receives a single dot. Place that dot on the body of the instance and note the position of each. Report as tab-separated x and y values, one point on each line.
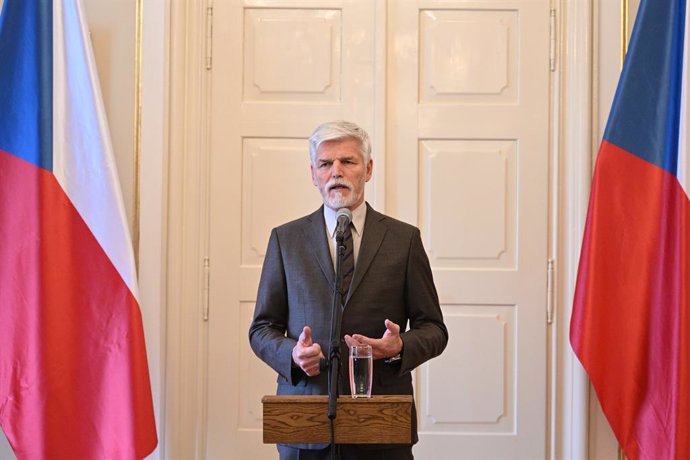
391	303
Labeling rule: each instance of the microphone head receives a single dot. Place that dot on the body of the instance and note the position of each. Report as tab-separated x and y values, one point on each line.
343	216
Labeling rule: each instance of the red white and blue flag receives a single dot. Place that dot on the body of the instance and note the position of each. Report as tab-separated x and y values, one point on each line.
631	316
74	380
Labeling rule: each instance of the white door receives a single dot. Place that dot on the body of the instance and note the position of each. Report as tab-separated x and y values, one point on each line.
468	140
279	69
455	95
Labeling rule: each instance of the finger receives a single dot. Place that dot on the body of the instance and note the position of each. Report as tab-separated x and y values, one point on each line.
314	368
361	339
309	355
319	352
314	351
305	336
312	371
312	363
392	327
350	341
302	335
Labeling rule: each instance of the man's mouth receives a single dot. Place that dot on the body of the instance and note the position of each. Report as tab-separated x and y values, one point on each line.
338	188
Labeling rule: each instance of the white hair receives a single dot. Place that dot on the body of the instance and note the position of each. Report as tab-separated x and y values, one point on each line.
339	131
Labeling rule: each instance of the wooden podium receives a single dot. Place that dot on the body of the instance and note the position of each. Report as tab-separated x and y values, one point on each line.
304	420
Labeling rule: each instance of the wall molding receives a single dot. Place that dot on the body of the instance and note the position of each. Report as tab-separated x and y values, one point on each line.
574	118
187	243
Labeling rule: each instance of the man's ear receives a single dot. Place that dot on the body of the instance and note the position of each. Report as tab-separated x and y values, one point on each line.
370	169
313	177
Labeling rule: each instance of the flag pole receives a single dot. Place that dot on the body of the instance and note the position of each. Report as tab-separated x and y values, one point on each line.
138	64
625	29
625	35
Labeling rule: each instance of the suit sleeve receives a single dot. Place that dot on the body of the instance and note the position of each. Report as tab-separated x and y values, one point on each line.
427	335
267	331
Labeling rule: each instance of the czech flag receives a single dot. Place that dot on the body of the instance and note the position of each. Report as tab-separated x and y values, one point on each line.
631	315
74	380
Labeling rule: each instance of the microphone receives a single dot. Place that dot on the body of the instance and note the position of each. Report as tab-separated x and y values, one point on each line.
343	216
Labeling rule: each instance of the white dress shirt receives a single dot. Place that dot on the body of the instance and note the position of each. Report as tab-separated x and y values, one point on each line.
359	215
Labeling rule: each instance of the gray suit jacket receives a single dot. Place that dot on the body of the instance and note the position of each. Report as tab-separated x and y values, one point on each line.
392	280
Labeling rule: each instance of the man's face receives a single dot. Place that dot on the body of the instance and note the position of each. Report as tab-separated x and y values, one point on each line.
340	173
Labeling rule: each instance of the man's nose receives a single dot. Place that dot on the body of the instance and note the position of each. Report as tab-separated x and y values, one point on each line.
336	169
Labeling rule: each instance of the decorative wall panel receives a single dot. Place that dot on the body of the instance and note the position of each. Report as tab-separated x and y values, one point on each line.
468	202
468	56
292	54
276	188
470	388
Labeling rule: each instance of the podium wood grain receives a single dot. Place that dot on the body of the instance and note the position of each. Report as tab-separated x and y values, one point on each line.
304	419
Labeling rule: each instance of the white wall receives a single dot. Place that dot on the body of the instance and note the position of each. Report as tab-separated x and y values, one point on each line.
152	204
112	26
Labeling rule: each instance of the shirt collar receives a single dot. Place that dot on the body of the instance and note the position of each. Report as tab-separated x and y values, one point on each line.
358	217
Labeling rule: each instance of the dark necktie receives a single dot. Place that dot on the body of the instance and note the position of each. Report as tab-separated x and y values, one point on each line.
348	267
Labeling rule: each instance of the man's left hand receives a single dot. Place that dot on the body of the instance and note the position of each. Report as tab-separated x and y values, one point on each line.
389	345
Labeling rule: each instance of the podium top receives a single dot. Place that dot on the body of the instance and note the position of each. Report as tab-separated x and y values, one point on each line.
384	419
317	399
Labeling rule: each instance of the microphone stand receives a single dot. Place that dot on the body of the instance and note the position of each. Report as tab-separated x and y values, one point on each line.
334	351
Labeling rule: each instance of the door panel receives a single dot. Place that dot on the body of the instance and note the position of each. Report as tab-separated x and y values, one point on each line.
471	169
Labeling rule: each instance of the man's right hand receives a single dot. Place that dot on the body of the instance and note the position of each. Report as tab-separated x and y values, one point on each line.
307	355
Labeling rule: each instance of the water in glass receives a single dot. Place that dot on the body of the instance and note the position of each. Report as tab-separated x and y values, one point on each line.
361	371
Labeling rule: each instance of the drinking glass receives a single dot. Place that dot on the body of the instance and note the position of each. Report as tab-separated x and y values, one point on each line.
361	371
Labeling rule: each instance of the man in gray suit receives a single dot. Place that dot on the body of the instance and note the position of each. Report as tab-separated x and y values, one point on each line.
391	304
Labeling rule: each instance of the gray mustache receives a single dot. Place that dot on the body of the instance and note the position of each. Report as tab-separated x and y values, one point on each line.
340	182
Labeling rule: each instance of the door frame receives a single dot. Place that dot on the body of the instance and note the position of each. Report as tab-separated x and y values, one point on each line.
183	421
573	145
184	403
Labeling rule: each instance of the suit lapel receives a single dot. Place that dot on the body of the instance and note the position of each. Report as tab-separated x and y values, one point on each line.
315	234
374	231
